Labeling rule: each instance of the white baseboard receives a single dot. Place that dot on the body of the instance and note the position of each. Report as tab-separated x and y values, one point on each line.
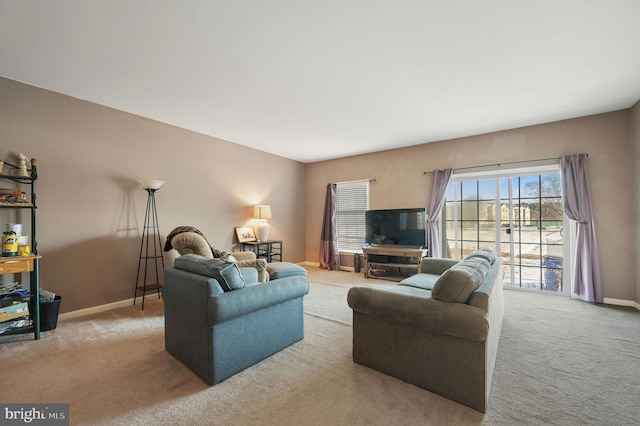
123	303
107	307
129	302
621	302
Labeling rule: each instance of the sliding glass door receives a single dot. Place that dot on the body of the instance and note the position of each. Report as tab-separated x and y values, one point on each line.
520	215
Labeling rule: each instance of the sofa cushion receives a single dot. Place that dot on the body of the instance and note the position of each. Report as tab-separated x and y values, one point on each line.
226	273
422	281
458	282
485	253
279	270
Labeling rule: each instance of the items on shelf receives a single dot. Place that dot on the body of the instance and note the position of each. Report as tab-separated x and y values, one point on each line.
14	243
14	308
15	324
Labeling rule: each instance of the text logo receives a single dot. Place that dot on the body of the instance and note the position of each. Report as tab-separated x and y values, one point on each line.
34	414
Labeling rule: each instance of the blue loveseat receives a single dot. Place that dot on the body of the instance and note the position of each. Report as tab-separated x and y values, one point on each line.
219	320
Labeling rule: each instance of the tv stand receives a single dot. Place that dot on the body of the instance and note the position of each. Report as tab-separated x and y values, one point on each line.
390	262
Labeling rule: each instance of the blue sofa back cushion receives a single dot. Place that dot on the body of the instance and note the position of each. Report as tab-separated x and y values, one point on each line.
226	273
459	282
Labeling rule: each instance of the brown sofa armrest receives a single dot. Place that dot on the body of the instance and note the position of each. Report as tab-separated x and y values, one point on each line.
247	259
244	255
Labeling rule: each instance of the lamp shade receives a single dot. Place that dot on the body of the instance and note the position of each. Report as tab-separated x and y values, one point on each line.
262	212
150	183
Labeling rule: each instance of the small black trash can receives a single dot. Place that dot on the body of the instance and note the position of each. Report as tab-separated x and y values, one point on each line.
49	314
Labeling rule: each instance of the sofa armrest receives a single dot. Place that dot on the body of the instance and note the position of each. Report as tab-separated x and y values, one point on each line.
244	255
251	262
232	304
408	306
435	265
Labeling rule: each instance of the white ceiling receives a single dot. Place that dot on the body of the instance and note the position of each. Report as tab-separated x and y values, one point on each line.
314	80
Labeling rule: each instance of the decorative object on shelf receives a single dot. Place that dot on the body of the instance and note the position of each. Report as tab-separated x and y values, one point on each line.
22	167
262	213
9	244
150	246
245	234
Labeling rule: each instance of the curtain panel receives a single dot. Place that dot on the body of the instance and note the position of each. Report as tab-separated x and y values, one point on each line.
587	278
329	238
441	180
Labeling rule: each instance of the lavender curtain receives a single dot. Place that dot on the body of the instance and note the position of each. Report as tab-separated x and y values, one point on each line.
441	180
587	279
329	237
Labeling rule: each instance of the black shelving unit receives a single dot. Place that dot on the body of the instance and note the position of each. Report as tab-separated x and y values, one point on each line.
24	264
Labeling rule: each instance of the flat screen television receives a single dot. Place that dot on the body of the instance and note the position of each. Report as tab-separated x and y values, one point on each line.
405	227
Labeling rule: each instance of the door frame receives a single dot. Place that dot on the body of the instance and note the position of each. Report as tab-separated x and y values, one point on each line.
569	228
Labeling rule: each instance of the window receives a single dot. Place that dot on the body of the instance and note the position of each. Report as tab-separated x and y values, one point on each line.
520	213
352	202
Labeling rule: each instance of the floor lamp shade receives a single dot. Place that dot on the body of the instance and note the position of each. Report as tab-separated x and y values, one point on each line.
262	213
153	184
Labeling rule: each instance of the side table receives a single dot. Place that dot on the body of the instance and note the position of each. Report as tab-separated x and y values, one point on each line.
269	250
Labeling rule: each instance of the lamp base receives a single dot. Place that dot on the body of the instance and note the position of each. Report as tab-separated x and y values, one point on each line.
262	231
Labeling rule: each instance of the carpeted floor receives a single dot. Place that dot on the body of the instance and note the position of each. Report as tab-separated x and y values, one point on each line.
560	361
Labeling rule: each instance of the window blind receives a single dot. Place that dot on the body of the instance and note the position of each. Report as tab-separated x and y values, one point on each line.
352	202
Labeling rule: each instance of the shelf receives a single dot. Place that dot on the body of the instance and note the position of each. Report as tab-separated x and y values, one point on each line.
150	287
22	330
269	250
17	264
388	262
394	265
16	205
19	179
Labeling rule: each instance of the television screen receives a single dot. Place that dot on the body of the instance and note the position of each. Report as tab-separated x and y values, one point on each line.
404	227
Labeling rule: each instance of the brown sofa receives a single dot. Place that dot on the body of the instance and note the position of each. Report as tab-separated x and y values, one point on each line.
438	329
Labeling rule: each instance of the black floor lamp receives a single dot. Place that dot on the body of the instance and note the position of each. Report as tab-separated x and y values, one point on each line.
150	261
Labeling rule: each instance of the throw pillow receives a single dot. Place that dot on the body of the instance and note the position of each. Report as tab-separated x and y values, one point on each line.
457	283
226	273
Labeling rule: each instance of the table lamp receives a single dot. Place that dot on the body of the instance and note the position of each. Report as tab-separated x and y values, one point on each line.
262	213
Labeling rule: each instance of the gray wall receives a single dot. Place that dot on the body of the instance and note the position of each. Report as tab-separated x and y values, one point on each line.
400	181
91	210
635	143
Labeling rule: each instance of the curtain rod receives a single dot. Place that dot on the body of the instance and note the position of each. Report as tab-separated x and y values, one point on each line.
501	164
359	180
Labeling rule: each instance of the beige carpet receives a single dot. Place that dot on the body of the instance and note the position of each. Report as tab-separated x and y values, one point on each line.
559	362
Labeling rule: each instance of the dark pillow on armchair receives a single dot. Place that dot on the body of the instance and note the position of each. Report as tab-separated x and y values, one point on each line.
226	273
